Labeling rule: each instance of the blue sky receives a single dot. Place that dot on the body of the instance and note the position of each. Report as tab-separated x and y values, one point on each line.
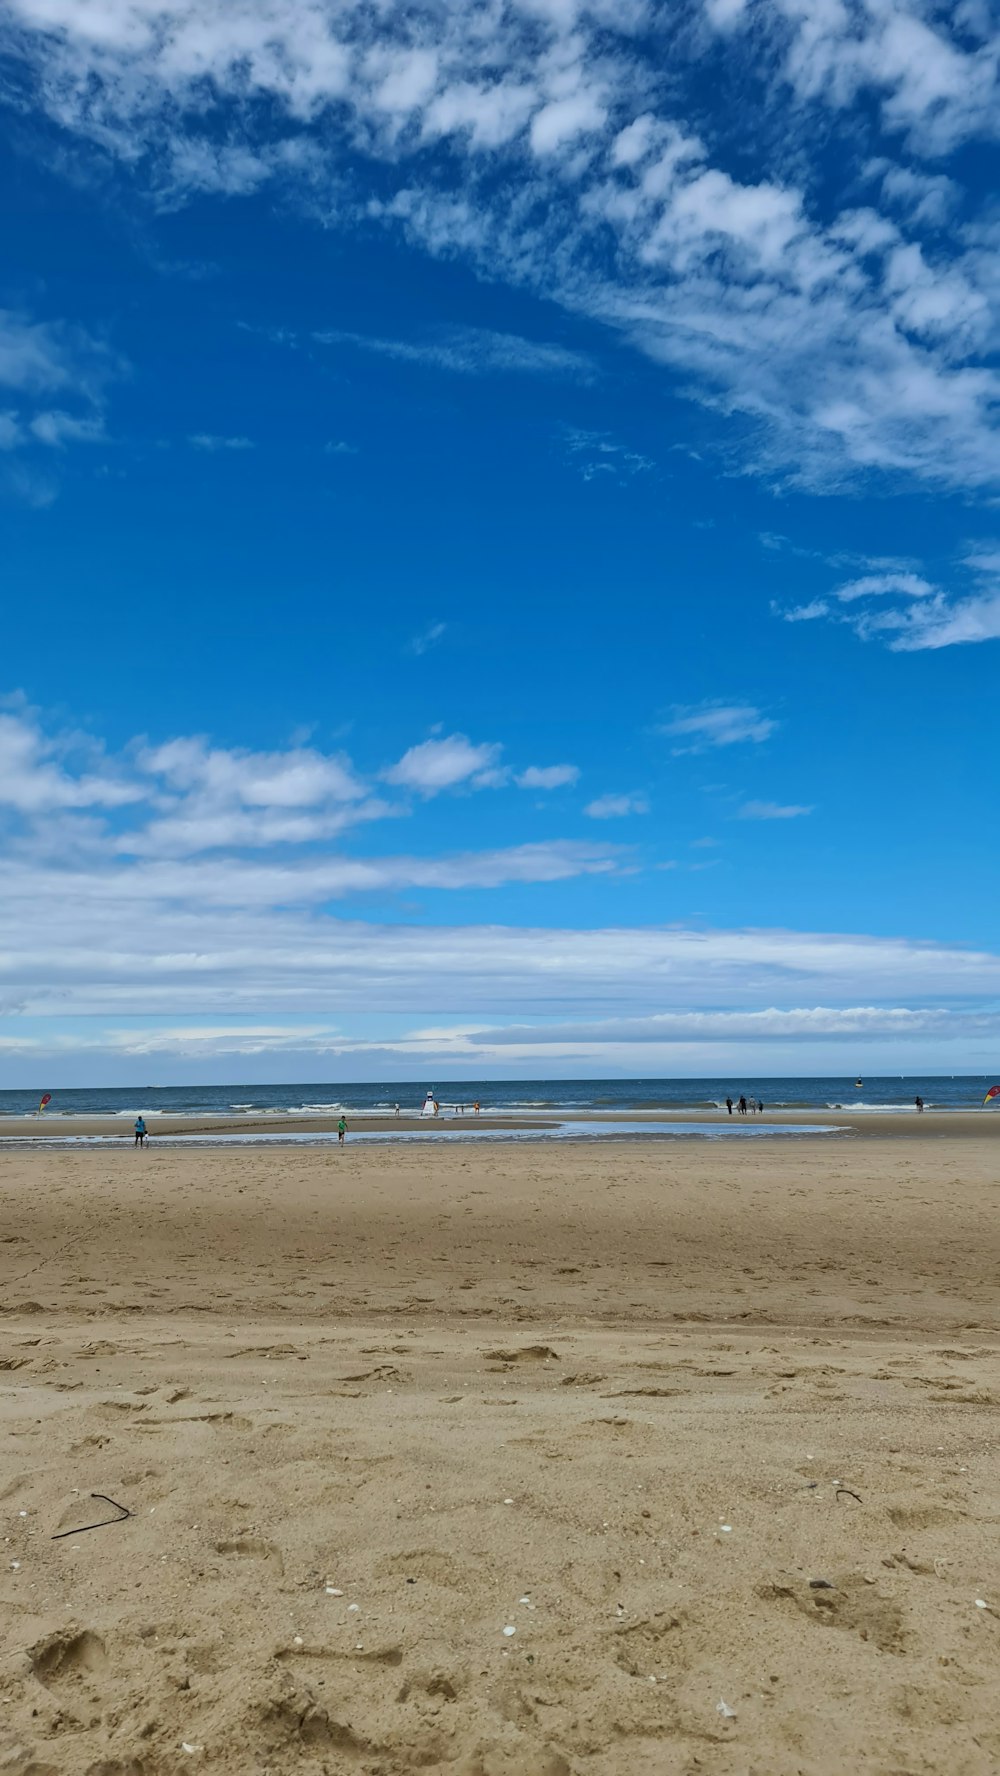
500	542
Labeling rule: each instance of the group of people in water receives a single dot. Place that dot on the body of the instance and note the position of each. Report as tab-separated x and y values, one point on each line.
746	1106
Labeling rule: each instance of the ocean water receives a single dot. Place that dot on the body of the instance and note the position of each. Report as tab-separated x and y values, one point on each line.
550	1097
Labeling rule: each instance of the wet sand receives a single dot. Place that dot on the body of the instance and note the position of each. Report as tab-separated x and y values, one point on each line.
719	1416
903	1124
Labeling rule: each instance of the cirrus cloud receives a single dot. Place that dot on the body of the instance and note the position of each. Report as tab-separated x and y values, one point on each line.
717	724
772	811
911	615
835	339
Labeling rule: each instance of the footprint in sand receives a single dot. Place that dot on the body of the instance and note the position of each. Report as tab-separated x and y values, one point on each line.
849	1604
253	1547
295	1717
107	1767
66	1660
434	1567
921	1516
513	1763
646	1393
526	1353
654	1641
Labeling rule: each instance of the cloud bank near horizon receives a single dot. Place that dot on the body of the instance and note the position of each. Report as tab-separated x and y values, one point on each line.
211	883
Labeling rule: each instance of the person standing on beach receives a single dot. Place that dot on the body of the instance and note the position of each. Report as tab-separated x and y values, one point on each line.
919	1103
341	1131
760	1106
742	1105
140	1132
729	1105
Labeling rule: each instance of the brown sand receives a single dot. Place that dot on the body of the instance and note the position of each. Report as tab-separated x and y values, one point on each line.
371	1408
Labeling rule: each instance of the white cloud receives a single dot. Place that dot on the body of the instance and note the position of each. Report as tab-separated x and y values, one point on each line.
725	13
597	453
472	351
769	1025
565	119
186	797
772	811
204	823
39	357
435	765
40	360
420	643
298	778
208	876
234	882
938	623
229	938
691	1041
81	919
616	807
198	1041
806	613
51	427
63	798
547	776
57	429
879	585
406	79
201	849
717	724
525	139
491	115
934	72
221	798
36	774
925	199
909	614
33	488
211	441
984	559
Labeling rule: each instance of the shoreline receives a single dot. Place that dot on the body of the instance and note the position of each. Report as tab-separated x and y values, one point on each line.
902	1123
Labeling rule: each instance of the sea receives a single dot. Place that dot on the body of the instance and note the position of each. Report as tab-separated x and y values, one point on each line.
499	1097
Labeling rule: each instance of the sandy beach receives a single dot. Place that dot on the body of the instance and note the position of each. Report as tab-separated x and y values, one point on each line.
503	1460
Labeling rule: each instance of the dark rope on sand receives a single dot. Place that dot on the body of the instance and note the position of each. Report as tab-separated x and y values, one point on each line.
123	1509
